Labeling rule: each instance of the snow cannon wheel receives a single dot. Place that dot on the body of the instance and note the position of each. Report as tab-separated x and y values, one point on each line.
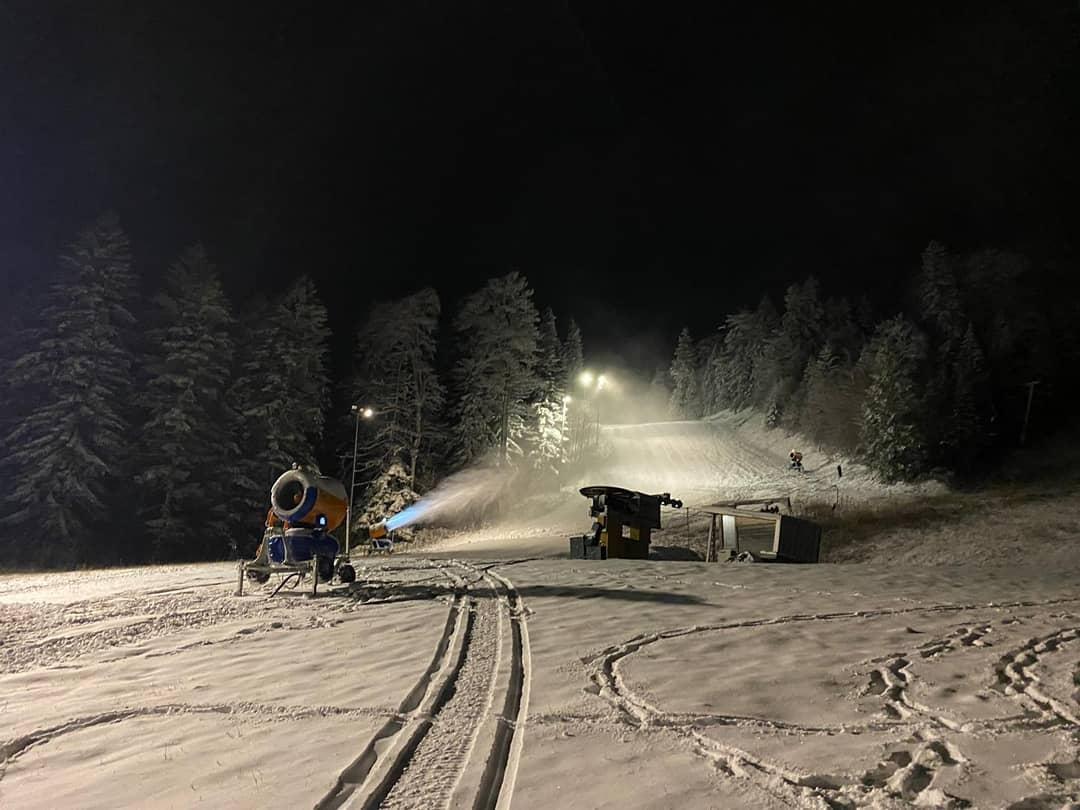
346	573
325	568
262	577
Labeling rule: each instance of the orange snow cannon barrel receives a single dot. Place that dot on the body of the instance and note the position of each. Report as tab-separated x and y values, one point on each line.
305	498
377	531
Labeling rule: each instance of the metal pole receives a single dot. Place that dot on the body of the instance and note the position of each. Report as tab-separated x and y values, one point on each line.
352	486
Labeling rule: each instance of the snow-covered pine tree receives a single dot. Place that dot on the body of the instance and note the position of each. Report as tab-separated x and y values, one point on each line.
254	397
548	453
710	351
746	339
940	304
842	331
301	349
19	333
893	430
188	454
686	376
388	494
799	337
72	451
958	394
279	390
496	373
284	384
1011	319
817	384
396	377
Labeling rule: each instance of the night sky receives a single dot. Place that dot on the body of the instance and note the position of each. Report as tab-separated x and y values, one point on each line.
644	168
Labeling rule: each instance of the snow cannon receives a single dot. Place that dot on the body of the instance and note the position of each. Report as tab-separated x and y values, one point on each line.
304	498
304	508
623	522
381	536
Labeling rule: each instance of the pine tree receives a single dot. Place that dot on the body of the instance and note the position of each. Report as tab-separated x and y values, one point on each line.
390	493
710	353
958	395
548	454
18	335
893	431
189	459
941	306
799	337
686	397
397	379
71	452
832	401
280	389
746	345
496	374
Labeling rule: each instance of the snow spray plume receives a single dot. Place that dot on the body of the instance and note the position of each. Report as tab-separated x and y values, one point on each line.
465	494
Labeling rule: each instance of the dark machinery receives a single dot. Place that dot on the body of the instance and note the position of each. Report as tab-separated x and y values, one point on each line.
623	521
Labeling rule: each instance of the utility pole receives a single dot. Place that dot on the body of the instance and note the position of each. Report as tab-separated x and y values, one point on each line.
1027	411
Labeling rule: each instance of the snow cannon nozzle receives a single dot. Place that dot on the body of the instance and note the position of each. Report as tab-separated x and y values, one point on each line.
377	531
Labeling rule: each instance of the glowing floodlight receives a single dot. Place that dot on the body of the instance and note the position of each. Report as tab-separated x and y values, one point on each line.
586	378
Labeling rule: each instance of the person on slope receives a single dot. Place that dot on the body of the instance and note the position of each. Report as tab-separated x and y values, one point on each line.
796	460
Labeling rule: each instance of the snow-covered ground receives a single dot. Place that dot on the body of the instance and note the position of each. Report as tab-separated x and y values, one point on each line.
554	683
490	675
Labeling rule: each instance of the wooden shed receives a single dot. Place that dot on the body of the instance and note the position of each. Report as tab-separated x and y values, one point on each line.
753	526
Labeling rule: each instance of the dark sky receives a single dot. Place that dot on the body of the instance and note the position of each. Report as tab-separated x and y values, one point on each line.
644	167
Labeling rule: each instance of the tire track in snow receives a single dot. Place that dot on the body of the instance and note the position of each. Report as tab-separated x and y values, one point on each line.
425	694
500	774
1016	677
420	757
430	770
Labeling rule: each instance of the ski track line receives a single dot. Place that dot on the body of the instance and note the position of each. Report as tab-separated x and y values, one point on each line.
420	756
500	774
432	769
425	696
904	774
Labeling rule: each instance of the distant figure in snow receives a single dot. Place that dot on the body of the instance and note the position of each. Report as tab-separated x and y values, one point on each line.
796	460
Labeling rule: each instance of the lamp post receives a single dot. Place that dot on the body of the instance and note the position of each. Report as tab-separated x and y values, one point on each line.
361	413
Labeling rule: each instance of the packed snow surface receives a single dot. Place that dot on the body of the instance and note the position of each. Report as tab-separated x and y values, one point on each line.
438	683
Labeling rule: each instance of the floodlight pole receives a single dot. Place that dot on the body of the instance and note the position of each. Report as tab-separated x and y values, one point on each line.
352	486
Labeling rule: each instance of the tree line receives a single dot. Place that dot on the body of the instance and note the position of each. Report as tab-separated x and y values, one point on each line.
141	427
939	387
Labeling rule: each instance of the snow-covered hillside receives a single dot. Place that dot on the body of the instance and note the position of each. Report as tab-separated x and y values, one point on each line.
730	455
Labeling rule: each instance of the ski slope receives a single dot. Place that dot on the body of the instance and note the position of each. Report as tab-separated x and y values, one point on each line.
727	456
